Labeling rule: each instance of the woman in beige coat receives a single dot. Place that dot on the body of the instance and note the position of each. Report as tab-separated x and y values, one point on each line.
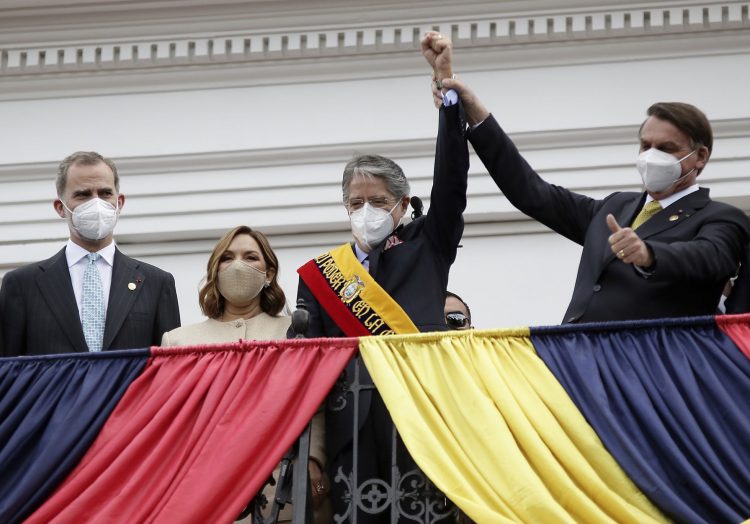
242	299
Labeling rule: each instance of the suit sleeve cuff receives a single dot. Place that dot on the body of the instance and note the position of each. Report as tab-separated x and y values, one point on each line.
647	272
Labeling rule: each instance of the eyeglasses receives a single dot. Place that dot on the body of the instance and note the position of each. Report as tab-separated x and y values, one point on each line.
357	203
456	320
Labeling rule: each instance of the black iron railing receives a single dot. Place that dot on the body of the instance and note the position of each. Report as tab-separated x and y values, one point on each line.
377	482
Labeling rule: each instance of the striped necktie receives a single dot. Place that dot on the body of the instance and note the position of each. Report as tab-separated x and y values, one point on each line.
92	304
649	210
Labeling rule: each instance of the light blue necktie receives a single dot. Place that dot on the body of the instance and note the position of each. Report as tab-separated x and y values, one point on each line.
92	305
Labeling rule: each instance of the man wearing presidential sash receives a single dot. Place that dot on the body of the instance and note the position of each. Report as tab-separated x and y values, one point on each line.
391	279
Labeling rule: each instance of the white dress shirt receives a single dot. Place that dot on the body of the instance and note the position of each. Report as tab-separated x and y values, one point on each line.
450	98
77	261
671	199
362	256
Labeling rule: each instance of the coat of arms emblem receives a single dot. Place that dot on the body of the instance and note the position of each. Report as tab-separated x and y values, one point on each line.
352	289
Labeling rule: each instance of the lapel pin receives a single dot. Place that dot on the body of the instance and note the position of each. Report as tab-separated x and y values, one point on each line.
673	218
131	286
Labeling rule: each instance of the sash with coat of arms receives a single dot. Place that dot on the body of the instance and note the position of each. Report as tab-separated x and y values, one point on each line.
351	297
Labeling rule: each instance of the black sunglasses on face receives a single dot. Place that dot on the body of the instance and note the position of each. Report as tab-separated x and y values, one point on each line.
456	320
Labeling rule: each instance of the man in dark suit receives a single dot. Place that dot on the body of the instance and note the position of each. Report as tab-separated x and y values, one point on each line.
410	264
89	296
737	290
665	252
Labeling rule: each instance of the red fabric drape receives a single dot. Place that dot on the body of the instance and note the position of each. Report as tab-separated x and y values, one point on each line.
198	432
331	301
737	327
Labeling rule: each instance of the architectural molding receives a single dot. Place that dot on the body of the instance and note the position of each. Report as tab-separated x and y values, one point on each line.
205	55
138	246
397	149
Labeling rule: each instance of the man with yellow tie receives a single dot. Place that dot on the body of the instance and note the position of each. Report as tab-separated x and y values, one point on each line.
664	252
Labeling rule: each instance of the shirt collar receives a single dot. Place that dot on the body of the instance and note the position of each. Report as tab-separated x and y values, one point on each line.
74	253
361	255
671	199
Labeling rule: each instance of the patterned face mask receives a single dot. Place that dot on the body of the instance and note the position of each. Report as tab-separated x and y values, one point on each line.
239	283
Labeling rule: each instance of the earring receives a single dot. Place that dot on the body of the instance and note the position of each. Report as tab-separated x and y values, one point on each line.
267	284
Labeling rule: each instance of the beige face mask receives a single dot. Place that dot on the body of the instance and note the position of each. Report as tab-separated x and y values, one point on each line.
239	283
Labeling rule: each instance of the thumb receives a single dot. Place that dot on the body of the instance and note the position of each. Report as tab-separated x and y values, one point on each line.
452	83
612	223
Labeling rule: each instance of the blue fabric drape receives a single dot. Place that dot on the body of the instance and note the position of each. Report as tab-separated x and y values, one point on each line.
51	410
670	399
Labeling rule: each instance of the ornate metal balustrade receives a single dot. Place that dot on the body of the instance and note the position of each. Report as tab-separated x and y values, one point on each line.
407	495
400	492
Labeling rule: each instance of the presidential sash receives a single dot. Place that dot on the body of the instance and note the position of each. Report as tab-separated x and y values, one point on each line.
351	297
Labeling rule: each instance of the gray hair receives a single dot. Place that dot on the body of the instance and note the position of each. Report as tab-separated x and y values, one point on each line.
86	158
379	166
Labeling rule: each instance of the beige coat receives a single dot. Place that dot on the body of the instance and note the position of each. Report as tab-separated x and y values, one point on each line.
211	331
260	327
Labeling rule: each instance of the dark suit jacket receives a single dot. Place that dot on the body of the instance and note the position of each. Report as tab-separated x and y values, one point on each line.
697	243
739	299
40	316
414	272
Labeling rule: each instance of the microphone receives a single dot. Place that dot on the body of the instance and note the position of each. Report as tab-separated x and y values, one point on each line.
417	206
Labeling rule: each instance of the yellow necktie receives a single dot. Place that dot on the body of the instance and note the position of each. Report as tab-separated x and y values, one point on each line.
647	212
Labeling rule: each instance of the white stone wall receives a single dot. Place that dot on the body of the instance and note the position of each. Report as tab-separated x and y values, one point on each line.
244	112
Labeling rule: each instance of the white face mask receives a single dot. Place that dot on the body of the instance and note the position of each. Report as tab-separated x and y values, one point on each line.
94	219
660	170
370	225
239	283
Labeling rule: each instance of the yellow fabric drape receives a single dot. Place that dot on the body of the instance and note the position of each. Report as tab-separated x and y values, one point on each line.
490	425
378	305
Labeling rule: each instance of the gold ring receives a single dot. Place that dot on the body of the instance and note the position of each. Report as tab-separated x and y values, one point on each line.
621	254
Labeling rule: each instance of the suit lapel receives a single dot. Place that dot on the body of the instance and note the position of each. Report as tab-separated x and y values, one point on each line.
667	218
374	257
377	253
55	286
121	297
674	214
629	211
